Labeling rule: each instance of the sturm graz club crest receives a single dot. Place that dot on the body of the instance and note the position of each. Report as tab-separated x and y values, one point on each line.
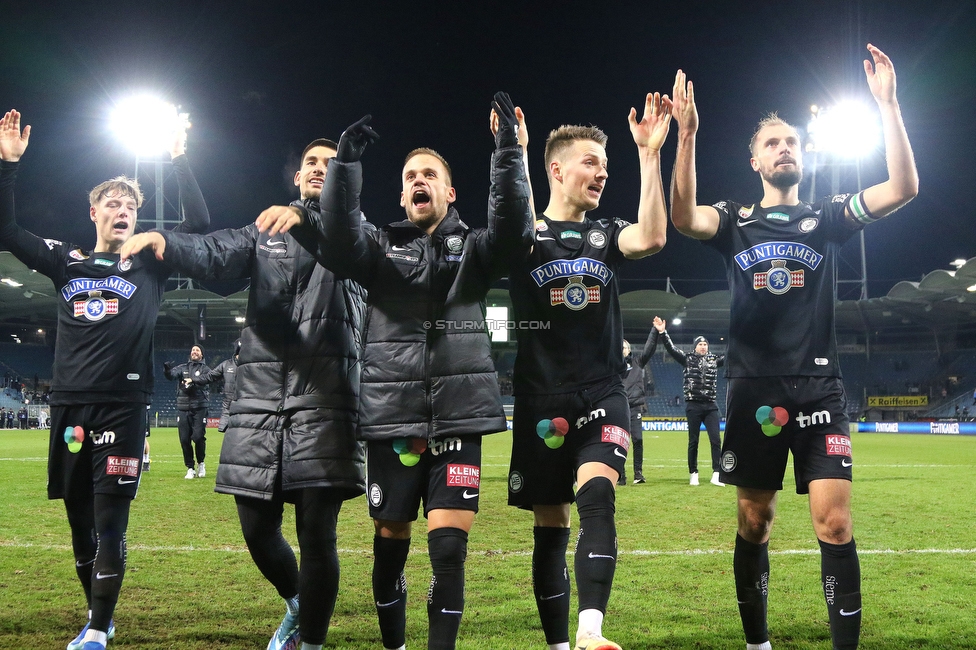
454	243
778	279
574	295
597	238
95	307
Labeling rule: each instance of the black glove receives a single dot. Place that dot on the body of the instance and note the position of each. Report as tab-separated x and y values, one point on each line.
507	134
354	140
168	366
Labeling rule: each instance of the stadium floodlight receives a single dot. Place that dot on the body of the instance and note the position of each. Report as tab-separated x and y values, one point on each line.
145	124
958	263
848	130
676	321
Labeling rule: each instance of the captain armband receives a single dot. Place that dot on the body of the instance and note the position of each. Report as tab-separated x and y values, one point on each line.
859	210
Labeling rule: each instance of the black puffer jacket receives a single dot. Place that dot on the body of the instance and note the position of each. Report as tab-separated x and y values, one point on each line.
300	350
701	371
427	368
194	396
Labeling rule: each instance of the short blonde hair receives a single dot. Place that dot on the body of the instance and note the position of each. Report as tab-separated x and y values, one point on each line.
562	138
770	119
425	151
118	186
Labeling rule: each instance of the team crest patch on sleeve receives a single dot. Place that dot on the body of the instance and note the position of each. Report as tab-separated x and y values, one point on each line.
616	435
574	295
459	475
779	279
74	253
122	466
838	446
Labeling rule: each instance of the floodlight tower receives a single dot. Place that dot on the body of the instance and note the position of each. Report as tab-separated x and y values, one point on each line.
840	136
147	125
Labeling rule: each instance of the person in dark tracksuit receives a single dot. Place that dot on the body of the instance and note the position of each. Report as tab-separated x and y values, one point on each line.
192	400
700	387
225	371
634	386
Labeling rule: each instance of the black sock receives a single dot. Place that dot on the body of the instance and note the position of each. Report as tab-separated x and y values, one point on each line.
111	521
841	575
448	548
750	564
596	545
550	581
81	519
390	588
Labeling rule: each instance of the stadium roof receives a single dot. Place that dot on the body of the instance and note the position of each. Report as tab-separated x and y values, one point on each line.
940	302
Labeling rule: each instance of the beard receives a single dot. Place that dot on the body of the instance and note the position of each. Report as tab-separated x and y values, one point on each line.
784	179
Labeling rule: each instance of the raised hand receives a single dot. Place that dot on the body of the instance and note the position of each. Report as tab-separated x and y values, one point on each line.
178	145
523	131
880	76
652	130
683	99
354	140
151	240
658	324
278	218
503	111
13	143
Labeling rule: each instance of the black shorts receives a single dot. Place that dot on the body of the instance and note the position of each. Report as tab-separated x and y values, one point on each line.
595	421
444	475
96	447
771	416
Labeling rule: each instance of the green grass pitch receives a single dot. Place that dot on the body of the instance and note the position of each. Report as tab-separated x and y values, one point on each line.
191	585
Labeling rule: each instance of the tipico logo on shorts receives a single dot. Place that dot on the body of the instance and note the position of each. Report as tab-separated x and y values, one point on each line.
772	419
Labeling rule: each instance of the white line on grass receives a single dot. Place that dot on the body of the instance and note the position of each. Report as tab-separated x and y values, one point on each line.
494	553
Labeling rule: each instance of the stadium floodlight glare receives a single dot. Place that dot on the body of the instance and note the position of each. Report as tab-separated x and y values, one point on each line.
145	124
849	129
676	321
958	263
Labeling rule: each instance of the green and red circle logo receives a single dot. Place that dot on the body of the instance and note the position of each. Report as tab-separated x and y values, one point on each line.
772	419
552	431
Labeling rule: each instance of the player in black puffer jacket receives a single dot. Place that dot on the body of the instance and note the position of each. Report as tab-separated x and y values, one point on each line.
292	431
429	390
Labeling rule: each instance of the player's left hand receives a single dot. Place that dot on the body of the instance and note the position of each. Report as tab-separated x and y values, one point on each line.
652	130
880	76
151	240
354	139
279	218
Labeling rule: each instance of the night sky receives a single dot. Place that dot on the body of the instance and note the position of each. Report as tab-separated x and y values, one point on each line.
260	80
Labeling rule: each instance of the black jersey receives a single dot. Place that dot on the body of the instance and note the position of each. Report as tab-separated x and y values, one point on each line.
106	311
781	266
566	305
